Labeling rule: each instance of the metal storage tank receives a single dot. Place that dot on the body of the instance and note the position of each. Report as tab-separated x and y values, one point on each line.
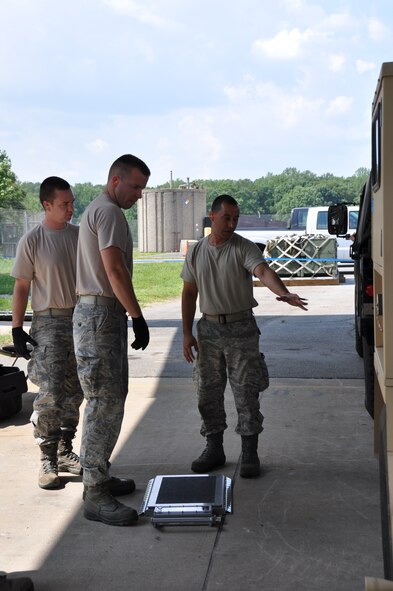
168	217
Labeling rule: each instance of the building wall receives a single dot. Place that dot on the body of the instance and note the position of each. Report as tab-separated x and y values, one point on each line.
166	217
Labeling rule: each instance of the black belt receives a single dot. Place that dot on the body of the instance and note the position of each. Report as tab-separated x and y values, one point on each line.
54	312
226	318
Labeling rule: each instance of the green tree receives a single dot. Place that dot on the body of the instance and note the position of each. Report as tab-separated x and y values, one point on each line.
32	201
84	193
273	194
299	197
12	195
357	181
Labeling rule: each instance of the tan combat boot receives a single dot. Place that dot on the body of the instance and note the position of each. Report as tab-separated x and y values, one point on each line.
67	459
48	477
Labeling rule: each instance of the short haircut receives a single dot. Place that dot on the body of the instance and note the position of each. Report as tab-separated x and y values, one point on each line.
127	162
218	201
50	185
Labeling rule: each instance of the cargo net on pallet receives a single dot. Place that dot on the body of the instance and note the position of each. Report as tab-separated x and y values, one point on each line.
303	256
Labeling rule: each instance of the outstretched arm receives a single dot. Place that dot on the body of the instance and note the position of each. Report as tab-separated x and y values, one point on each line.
270	278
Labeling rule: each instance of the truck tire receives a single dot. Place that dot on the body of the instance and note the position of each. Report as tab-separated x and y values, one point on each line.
368	364
387	547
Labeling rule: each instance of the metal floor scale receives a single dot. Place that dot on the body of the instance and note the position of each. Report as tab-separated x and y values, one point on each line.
187	499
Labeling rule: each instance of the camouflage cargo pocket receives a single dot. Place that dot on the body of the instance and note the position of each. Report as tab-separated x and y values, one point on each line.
195	374
264	383
38	367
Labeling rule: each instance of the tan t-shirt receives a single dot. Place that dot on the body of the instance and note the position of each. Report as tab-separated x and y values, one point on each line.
103	224
47	258
223	274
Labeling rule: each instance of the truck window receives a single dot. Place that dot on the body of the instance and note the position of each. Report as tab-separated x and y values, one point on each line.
298	218
352	220
322	220
376	148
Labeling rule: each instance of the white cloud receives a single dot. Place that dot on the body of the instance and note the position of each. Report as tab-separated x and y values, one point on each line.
285	45
192	99
336	62
377	31
139	12
293	4
146	50
97	146
83	71
339	20
362	67
196	133
339	105
286	108
238	93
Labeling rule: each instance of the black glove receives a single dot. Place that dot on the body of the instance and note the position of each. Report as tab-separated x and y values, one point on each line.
21	338
141	332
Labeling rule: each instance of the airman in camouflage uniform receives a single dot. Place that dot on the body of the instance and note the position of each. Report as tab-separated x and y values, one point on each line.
46	261
100	333
105	296
239	355
219	269
52	367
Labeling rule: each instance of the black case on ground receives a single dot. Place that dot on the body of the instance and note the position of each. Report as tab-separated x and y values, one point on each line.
12	385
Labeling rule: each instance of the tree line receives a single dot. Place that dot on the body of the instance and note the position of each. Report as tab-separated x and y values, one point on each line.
274	194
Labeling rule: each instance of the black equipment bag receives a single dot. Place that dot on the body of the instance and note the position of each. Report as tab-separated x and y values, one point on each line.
12	385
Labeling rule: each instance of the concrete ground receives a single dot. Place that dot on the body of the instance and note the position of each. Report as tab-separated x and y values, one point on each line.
310	522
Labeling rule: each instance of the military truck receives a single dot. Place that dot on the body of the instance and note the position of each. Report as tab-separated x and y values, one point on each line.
360	253
372	252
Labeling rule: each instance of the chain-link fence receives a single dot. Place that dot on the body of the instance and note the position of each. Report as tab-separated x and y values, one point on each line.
13	224
16	222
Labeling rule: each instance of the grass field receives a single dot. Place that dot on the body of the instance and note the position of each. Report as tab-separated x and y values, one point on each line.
6	282
153	282
157	282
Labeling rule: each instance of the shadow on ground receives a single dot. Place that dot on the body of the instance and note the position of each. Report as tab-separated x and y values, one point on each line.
311	521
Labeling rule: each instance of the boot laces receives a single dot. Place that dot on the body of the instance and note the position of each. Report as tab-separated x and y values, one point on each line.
210	450
66	451
206	452
49	465
70	455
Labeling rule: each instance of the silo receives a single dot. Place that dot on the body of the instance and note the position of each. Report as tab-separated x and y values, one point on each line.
166	217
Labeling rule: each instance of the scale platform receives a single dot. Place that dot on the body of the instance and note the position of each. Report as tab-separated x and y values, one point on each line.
187	499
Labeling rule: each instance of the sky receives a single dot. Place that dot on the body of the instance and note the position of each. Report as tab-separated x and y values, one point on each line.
200	89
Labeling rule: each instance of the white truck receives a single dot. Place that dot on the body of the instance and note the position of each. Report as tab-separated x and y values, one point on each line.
305	220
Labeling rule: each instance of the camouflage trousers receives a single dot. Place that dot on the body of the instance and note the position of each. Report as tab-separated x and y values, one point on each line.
229	351
100	336
52	368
